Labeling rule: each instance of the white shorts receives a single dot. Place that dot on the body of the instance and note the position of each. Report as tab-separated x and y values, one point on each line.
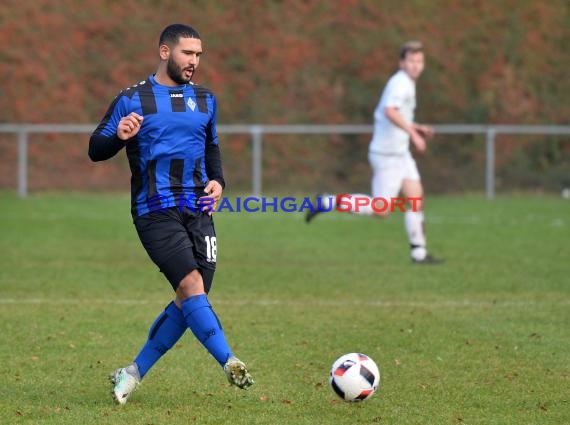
389	171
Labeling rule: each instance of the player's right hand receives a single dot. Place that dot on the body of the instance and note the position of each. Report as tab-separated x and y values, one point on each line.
129	126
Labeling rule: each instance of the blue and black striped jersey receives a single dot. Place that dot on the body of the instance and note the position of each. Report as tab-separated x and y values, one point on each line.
175	152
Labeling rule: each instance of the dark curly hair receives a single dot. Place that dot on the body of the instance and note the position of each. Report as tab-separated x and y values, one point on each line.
172	33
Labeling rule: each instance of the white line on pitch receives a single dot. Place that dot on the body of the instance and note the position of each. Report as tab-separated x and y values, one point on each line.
325	303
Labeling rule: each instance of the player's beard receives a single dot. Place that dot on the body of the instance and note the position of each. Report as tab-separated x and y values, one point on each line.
175	72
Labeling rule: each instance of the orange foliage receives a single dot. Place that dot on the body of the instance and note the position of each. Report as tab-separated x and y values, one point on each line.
299	61
296	61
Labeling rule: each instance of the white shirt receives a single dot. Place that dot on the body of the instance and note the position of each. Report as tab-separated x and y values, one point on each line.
388	138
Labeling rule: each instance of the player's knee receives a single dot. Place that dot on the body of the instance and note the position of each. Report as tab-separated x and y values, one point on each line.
191	284
380	207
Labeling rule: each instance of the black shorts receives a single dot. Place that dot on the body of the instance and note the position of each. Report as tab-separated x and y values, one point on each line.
179	242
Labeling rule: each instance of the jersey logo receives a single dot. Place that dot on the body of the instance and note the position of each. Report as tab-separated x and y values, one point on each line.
191	104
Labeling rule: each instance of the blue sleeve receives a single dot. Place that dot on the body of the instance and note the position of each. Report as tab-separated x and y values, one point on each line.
104	142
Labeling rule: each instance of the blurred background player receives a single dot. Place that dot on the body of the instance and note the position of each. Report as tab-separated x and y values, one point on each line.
393	168
168	125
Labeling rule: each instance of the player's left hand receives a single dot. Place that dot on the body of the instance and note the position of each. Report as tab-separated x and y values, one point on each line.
214	193
426	131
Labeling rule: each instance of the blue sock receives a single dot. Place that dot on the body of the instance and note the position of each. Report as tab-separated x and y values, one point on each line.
204	323
168	327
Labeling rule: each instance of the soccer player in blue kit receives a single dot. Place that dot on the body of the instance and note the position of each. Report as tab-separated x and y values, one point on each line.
168	126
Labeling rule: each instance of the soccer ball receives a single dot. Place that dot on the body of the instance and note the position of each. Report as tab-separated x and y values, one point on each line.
354	377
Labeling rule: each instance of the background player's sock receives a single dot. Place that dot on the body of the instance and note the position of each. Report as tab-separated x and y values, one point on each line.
356	202
414	221
168	327
204	323
326	202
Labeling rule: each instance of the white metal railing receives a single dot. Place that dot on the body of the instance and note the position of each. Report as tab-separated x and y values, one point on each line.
256	131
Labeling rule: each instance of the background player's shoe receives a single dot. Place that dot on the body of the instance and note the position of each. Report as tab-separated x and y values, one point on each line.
317	208
124	382
428	259
237	373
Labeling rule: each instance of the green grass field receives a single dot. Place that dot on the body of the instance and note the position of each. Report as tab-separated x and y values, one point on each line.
483	339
